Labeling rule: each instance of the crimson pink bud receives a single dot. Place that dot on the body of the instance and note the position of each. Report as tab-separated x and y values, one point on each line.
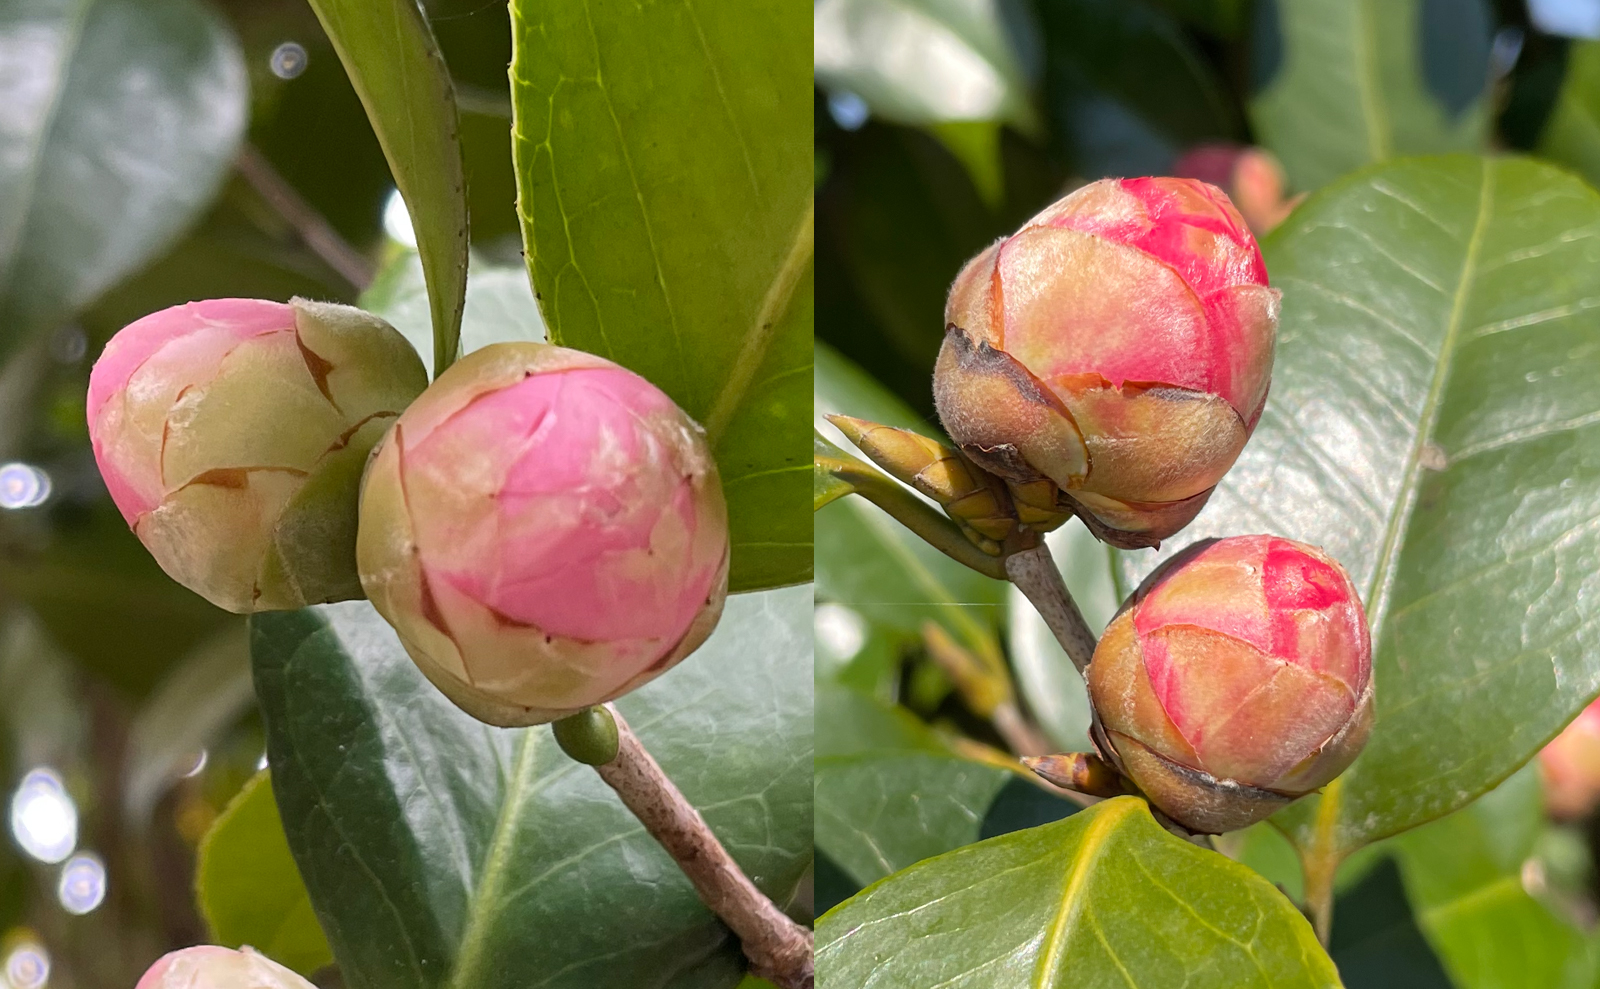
210	967
1570	765
232	433
1236	679
545	530
1118	346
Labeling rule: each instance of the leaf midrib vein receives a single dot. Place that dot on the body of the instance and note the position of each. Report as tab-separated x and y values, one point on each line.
474	936
1384	573
774	304
1095	837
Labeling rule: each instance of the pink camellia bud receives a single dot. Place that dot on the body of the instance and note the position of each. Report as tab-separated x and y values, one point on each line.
1237	678
210	967
1570	765
1252	177
545	530
1111	357
232	433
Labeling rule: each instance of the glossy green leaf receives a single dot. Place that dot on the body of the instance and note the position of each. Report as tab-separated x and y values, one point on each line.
665	174
440	852
1051	685
499	304
1105	898
1128	91
1352	82
1572	134
1434	424
120	119
1266	850
1465	878
889	792
826	487
394	63
249	889
955	61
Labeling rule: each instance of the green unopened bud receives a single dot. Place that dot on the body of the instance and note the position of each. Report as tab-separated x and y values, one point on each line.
590	736
975	500
232	434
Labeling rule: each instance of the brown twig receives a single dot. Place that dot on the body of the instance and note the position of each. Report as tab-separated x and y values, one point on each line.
1036	576
314	230
779	950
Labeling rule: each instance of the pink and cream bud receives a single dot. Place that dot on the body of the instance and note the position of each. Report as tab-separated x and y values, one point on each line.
1570	765
210	967
545	530
231	434
1238	678
1118	347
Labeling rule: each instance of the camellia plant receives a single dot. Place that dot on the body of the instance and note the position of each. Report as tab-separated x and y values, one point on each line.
1206	502
517	524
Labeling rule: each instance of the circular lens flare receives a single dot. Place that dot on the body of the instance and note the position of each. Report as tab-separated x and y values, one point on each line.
83	883
44	820
27	966
23	486
288	60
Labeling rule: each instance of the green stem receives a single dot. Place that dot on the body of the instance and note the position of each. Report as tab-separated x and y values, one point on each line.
912	512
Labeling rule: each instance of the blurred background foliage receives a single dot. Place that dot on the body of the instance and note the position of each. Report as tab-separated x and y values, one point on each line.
940	126
154	152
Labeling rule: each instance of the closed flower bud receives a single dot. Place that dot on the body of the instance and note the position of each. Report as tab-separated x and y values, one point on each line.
232	433
1570	765
545	530
1118	349
210	967
1237	678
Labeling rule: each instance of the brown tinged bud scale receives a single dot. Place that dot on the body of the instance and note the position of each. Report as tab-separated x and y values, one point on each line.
1111	358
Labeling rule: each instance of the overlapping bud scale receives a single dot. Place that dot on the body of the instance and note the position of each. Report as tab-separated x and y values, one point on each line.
1238	678
1118	348
231	434
545	530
